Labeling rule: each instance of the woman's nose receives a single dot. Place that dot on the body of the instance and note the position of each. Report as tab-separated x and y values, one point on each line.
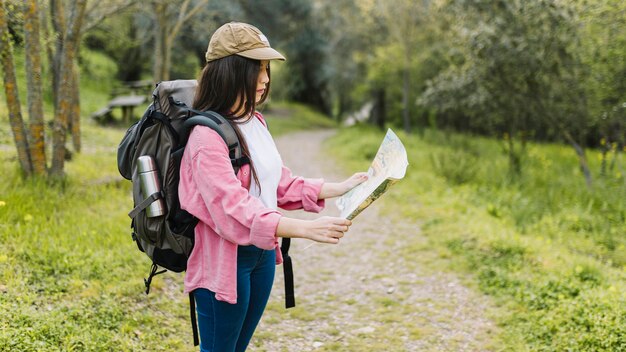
263	77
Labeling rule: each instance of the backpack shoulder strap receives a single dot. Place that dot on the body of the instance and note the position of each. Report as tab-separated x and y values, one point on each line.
220	124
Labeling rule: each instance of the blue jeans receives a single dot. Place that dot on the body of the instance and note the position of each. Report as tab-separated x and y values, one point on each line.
226	327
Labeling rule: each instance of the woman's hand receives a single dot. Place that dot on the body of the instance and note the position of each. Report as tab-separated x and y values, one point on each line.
333	189
354	181
325	229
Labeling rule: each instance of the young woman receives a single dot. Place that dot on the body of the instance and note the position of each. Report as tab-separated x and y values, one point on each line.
231	268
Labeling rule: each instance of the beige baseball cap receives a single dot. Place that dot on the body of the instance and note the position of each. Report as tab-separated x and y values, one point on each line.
236	38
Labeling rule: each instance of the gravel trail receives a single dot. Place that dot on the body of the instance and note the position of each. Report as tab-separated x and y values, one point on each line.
360	296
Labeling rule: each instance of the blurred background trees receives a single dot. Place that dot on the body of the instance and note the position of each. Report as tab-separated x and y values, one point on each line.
549	70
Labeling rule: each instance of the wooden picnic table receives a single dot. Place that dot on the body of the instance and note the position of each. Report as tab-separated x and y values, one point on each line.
139	87
127	103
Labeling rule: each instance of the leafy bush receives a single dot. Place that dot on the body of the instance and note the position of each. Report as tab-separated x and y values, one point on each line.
457	166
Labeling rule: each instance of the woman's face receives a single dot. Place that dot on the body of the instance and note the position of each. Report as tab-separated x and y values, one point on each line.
263	80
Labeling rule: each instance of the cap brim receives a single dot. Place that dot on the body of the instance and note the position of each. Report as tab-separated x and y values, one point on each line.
262	54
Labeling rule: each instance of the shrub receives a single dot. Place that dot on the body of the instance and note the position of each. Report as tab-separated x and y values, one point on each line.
457	166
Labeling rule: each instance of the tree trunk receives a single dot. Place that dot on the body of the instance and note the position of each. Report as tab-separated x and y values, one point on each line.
378	114
49	44
57	15
342	104
75	109
160	35
515	157
63	112
12	95
405	93
582	158
167	57
165	32
33	80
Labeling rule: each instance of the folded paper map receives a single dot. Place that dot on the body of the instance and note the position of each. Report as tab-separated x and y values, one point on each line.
388	167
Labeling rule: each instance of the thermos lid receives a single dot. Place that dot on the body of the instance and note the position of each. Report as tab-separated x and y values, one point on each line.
145	163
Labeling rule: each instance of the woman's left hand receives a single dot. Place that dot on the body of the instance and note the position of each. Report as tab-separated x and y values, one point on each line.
353	181
336	189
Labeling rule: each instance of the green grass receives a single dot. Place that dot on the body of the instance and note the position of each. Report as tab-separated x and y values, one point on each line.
284	117
71	277
550	251
97	78
71	274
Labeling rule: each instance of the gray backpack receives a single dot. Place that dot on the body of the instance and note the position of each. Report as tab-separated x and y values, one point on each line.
162	134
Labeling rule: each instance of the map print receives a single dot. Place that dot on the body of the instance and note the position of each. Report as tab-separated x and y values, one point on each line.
388	167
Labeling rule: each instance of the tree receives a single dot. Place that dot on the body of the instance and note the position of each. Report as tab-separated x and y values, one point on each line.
31	149
296	28
66	85
10	86
379	50
34	84
509	71
404	19
169	19
351	35
603	46
89	18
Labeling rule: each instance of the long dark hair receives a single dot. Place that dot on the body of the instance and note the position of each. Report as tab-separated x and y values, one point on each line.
222	82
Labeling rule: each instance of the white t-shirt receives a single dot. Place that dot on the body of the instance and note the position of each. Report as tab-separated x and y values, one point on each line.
266	160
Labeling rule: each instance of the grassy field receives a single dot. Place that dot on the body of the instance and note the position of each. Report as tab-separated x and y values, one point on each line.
70	274
550	251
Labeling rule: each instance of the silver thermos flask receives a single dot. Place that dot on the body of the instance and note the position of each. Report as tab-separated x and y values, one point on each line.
149	184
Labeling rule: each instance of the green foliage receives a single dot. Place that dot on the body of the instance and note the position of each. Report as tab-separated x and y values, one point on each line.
602	51
346	68
284	117
15	20
387	45
457	167
97	77
549	250
120	37
298	31
537	67
459	163
513	72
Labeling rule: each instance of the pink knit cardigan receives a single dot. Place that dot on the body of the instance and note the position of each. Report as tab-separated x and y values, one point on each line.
229	216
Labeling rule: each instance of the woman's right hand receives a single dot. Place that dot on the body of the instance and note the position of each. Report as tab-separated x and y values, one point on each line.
324	229
327	229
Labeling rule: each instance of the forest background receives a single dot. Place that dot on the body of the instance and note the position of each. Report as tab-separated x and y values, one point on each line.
518	107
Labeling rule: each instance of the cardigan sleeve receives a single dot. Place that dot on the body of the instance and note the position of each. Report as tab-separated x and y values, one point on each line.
296	192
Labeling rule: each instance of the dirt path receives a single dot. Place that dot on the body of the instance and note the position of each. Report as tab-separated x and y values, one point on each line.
358	295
